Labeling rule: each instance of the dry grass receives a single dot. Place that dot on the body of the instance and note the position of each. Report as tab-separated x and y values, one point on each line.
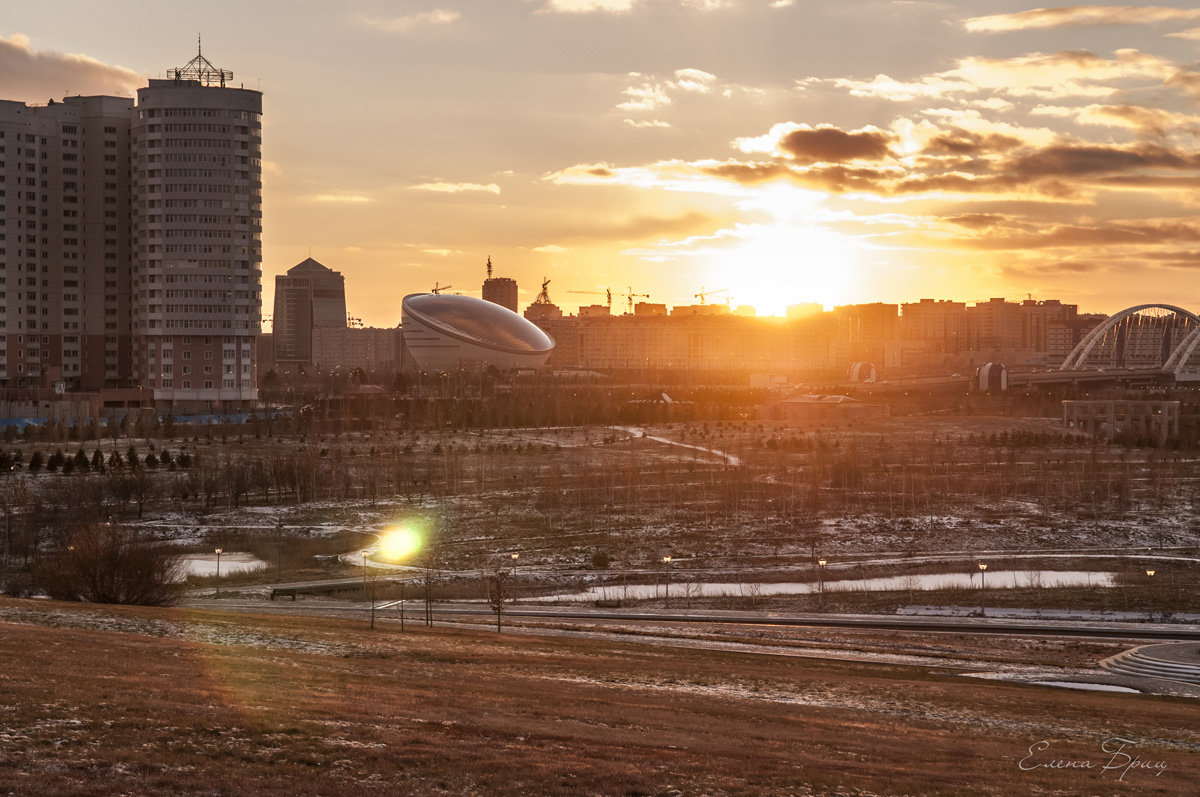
104	700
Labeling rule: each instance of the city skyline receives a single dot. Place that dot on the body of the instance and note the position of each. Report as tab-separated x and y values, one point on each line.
786	151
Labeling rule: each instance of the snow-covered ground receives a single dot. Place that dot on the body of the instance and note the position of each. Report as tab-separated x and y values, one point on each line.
997	580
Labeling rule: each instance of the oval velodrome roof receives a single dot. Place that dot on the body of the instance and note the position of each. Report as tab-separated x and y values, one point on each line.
477	321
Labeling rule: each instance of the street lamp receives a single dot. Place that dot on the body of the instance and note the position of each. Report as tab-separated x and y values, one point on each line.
1150	589
982	585
667	566
364	553
821	581
218	572
515	557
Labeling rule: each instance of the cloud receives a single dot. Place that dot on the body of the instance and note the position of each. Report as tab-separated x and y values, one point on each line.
1146	121
968	159
693	80
339	197
1155	232
551	249
825	143
623	6
1190	33
1046	75
457	188
36	76
650	93
646	97
957	141
438	16
589	6
1076	16
647	123
634	228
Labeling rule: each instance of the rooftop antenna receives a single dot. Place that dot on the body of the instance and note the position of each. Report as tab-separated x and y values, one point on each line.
489	266
201	70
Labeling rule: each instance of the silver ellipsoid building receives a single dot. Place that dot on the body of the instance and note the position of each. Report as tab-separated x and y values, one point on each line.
448	332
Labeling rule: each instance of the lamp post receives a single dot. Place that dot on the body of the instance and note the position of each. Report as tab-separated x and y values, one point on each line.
218	551
364	553
667	566
1150	589
982	585
821	581
515	556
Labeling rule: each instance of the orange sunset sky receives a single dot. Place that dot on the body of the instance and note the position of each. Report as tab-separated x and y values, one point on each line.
787	151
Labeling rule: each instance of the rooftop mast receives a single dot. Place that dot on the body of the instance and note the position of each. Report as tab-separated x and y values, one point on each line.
201	69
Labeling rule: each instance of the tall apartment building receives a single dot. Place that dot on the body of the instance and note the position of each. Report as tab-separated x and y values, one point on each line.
65	245
308	297
500	290
130	255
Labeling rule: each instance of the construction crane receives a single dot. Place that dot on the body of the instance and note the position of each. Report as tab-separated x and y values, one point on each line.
630	296
439	288
544	296
606	293
703	295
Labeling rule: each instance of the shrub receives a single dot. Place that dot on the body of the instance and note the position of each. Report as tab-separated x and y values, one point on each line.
111	563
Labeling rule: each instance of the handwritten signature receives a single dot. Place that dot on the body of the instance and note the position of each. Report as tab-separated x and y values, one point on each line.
1115	748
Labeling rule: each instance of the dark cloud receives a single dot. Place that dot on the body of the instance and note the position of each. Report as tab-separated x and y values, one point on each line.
1067	160
1148	121
981	221
828	144
747	173
957	141
30	75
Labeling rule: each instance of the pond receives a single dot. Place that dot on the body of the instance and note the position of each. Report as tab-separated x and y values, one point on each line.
205	564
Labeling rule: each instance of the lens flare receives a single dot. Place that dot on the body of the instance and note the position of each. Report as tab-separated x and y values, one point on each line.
400	543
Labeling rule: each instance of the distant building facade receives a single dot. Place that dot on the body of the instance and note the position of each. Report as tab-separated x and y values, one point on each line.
309	297
500	290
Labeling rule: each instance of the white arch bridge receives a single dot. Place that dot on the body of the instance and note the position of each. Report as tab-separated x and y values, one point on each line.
1150	338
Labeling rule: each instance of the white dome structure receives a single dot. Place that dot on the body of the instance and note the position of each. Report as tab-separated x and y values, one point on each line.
448	332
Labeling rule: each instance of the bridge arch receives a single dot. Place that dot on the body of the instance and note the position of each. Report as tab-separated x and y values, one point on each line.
1145	335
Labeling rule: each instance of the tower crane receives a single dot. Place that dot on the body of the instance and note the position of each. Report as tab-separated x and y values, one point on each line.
544	296
437	289
703	295
606	293
630	296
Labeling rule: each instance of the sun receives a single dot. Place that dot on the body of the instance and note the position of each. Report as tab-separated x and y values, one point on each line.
783	263
398	544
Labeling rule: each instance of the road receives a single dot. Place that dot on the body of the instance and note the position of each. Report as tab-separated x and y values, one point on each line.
961	625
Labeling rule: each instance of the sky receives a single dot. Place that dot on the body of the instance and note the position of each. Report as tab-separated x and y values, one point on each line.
773	152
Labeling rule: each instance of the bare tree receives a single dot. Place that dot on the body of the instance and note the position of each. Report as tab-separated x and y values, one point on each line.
498	592
111	563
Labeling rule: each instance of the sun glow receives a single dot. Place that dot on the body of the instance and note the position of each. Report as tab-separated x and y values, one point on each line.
399	543
784	263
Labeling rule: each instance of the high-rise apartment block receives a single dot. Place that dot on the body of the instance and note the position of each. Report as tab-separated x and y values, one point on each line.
130	254
500	290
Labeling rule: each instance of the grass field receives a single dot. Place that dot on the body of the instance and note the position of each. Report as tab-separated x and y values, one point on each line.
109	700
